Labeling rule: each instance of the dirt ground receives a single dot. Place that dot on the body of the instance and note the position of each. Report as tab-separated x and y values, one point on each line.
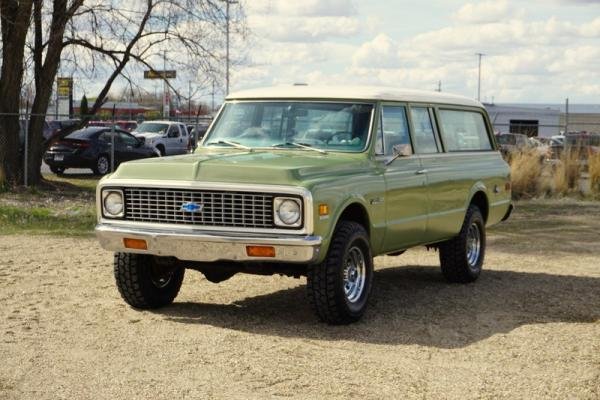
529	328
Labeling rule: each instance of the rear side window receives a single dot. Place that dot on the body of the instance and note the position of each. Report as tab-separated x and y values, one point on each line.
423	134
464	130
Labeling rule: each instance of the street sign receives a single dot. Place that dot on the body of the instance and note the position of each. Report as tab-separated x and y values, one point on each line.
64	87
168	74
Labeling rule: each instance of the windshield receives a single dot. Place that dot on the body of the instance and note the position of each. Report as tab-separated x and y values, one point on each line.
152	127
326	126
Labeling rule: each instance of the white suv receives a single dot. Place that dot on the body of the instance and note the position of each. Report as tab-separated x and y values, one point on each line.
167	137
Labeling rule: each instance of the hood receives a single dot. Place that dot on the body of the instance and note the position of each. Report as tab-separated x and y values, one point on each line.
147	135
277	167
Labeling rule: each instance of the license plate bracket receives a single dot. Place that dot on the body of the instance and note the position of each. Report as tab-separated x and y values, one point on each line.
59	157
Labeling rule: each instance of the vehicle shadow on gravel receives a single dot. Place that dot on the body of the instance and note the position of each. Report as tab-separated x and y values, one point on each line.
414	305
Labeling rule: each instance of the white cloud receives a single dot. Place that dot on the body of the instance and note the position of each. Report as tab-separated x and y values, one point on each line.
331	8
529	58
297	29
381	52
484	12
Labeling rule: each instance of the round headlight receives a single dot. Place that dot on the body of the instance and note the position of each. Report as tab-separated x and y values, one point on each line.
113	204
289	212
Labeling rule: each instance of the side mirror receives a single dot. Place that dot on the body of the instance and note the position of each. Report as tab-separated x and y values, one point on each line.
141	140
402	150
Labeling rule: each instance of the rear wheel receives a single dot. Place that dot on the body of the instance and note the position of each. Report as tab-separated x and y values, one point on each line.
461	258
102	166
144	282
58	170
339	287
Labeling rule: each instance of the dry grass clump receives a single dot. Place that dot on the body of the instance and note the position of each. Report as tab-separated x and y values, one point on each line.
594	171
567	173
532	177
526	172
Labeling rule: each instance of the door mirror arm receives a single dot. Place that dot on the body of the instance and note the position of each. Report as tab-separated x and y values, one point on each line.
400	150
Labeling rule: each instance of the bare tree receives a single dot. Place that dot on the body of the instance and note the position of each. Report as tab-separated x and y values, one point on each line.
99	39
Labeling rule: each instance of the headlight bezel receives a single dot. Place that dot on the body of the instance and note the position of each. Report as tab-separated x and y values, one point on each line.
278	201
107	192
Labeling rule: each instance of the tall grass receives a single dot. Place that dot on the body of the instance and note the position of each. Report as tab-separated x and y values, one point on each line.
532	177
594	171
526	172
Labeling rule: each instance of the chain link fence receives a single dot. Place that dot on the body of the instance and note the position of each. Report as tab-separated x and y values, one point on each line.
55	127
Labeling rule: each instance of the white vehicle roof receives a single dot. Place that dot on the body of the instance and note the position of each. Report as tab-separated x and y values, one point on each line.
375	93
161	122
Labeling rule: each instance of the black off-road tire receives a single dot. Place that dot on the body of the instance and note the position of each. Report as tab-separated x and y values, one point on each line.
133	275
57	170
454	258
325	281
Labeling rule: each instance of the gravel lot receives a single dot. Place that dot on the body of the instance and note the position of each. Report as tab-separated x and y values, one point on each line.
529	328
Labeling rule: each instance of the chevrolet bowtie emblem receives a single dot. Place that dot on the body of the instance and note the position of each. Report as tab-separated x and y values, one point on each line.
191	207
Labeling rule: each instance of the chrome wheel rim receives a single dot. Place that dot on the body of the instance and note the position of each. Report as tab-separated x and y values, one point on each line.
473	245
102	165
354	274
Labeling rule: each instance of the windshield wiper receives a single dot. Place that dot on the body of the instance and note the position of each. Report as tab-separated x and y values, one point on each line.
301	145
233	144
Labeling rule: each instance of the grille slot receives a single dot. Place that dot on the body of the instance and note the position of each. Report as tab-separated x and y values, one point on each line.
219	208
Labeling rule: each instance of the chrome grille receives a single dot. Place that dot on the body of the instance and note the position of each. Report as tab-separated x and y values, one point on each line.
219	208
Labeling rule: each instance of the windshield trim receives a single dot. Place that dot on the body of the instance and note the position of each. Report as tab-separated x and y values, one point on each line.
292	100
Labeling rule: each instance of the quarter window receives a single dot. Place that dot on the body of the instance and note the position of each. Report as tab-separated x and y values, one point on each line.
393	130
423	135
464	130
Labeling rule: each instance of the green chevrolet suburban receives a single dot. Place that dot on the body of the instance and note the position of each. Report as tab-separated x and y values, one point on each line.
310	181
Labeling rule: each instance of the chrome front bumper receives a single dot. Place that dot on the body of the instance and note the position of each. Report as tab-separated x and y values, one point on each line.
207	246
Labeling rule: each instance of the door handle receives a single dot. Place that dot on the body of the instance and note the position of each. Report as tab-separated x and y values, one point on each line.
421	172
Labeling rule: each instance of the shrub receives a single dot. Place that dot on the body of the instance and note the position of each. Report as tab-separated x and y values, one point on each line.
526	173
594	171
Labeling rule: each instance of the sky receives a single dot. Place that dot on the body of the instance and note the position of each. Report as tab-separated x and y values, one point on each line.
536	51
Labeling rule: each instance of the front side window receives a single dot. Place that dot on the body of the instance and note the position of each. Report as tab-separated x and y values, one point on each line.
464	130
393	130
326	126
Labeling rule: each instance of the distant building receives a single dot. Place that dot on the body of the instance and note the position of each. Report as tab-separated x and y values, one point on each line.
123	110
525	119
544	119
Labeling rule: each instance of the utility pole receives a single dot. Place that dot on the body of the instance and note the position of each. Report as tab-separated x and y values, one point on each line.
567	116
479	77
166	111
212	109
228	3
189	100
439	88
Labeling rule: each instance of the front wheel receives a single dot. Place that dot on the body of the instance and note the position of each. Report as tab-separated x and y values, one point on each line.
339	287
461	258
144	282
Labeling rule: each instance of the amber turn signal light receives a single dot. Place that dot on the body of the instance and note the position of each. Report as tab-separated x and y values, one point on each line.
137	244
323	210
260	251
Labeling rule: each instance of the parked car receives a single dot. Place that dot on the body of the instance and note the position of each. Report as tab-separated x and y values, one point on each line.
582	144
511	143
91	148
197	131
167	137
313	182
128	126
56	128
